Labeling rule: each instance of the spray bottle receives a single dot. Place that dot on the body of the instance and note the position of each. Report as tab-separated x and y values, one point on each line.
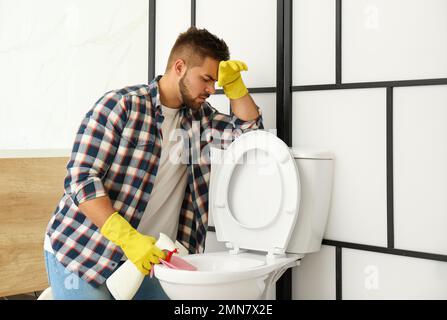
124	283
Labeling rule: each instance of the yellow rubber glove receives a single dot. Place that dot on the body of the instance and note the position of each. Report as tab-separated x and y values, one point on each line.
230	79
139	248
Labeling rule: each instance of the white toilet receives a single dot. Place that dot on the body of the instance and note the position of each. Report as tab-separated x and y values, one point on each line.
270	205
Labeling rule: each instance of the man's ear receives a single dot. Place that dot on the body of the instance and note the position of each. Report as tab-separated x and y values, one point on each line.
180	67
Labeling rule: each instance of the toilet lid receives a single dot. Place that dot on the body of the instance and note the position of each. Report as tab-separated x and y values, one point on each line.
256	193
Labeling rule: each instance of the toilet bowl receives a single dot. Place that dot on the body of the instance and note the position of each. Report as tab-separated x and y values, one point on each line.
269	204
223	275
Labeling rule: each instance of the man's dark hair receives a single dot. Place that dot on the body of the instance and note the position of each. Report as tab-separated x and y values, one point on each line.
194	45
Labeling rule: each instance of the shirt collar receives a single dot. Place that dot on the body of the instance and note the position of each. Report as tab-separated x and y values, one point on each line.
155	98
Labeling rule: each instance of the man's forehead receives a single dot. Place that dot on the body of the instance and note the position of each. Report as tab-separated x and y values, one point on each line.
210	68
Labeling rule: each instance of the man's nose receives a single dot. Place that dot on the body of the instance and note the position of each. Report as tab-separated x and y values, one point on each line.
210	89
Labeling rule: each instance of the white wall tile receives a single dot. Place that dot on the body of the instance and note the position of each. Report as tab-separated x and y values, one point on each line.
370	275
393	40
249	29
314	279
313	42
57	58
220	102
352	124
172	18
420	171
265	101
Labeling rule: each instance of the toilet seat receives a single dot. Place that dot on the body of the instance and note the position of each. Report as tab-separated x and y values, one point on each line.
223	267
255	206
255	203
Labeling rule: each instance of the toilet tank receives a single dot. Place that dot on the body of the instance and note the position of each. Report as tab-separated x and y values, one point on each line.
316	174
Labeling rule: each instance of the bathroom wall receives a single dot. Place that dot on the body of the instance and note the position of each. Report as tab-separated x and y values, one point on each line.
366	79
58	57
375	93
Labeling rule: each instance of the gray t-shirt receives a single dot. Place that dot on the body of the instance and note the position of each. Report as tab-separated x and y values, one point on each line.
163	209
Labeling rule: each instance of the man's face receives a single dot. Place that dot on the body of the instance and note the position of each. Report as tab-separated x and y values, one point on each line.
197	84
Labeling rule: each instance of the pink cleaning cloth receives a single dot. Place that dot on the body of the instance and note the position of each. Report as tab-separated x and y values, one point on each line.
178	263
175	262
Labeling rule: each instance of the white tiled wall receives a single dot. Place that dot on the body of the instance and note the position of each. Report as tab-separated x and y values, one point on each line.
393	40
420	173
265	101
314	279
313	41
220	102
58	57
172	17
381	40
249	29
370	275
351	124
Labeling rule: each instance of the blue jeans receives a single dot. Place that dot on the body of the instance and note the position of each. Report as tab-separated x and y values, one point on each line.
66	285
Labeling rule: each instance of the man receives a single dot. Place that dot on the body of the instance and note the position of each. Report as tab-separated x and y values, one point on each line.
123	187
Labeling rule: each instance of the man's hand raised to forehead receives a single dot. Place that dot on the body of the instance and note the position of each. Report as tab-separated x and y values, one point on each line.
230	79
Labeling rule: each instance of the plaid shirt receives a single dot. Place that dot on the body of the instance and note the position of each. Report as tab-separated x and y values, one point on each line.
116	153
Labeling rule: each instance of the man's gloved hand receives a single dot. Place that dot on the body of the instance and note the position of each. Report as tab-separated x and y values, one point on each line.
229	77
139	248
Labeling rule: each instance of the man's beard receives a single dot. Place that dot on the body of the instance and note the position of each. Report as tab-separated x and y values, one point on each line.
188	100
